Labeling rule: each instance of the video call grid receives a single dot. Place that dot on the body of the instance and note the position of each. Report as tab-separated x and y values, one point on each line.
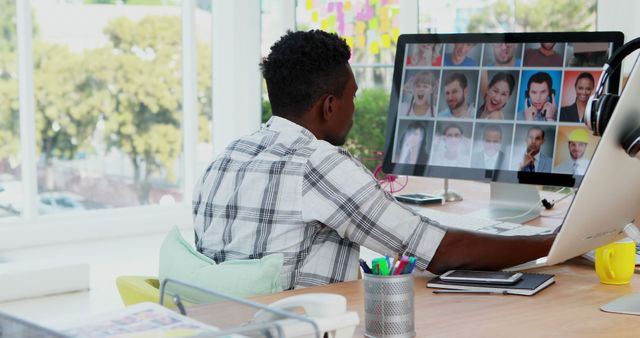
516	141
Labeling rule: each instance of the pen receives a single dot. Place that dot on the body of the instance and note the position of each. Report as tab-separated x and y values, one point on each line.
364	266
411	265
403	263
393	266
477	292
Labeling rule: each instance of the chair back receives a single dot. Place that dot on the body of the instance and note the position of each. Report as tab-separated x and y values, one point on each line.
138	289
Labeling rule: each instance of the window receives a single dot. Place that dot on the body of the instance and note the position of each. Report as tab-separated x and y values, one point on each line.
11	196
371	29
108	102
204	92
462	16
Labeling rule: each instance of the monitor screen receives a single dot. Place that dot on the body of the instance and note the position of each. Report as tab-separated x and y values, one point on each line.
496	107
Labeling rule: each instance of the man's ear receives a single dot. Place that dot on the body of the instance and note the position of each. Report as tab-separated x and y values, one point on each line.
327	107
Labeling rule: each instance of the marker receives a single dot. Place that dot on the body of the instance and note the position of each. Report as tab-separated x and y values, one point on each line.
364	266
401	266
411	265
393	266
380	266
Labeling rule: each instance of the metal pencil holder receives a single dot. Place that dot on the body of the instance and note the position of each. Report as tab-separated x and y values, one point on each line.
388	306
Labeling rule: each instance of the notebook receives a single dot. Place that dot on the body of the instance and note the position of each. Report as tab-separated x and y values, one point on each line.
528	285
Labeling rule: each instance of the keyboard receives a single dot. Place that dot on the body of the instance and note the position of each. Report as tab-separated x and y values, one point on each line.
471	223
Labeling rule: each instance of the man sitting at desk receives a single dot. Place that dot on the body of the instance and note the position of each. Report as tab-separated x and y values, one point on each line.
289	188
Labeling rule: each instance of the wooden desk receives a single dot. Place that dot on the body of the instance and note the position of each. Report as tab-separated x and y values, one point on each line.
568	308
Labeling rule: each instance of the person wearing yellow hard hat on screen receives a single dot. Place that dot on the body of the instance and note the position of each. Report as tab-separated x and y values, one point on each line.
576	164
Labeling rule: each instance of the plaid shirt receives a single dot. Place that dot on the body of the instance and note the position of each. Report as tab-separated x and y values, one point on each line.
282	190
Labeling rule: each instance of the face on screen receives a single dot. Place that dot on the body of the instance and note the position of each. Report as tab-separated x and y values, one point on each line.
421	92
497	96
577	149
584	88
535	139
452	138
503	52
538	94
454	94
492	142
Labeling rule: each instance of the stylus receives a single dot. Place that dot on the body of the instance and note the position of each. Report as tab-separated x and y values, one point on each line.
473	291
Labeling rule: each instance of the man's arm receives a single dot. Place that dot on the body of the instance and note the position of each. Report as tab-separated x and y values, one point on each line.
470	250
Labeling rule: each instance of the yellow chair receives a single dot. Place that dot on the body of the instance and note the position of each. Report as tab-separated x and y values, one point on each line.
138	289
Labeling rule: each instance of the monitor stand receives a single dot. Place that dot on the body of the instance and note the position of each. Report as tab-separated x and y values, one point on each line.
513	203
449	195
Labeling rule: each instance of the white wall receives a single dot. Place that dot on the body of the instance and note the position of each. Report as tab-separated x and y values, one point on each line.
236	71
620	15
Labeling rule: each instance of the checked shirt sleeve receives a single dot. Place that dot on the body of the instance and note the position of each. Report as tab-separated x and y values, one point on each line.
340	193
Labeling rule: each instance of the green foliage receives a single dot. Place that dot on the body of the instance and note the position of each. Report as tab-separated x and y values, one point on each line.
266	111
536	15
9	109
9	118
8	28
366	139
204	95
143	78
66	102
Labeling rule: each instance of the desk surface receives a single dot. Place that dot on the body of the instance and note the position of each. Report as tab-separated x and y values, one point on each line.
568	308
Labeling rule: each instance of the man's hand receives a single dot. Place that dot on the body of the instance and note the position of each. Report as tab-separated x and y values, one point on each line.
550	109
530	111
527	159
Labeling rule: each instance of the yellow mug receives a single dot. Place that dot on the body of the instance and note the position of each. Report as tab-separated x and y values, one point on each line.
616	262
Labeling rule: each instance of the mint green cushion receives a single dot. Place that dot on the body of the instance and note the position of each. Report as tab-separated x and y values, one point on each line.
242	278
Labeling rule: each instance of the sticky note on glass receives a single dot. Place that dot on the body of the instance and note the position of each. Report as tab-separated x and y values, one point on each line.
373	48
347	6
324	24
314	16
373	23
385	26
360	41
396	33
384	13
385	40
360	26
309	4
349	41
332	21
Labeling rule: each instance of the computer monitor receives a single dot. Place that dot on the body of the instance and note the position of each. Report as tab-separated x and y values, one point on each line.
502	108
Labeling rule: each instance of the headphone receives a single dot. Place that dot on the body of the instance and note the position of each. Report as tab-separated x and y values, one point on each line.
601	105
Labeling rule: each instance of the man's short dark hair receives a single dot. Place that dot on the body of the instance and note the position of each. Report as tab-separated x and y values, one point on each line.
535	128
540	77
462	80
303	66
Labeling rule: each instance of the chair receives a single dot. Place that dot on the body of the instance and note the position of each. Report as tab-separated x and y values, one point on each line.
138	289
